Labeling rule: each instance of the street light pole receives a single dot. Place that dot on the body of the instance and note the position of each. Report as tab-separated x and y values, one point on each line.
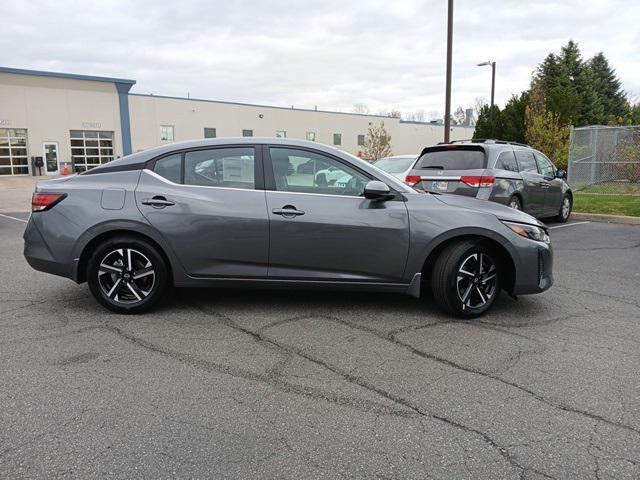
493	79
447	104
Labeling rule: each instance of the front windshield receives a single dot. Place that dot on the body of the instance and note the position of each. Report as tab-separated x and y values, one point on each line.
394	164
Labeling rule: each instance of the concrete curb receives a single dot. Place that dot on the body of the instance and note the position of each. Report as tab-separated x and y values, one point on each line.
598	217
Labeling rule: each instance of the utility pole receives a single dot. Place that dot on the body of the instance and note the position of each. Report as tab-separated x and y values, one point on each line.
447	106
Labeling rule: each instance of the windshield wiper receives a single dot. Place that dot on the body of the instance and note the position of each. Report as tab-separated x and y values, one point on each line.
435	167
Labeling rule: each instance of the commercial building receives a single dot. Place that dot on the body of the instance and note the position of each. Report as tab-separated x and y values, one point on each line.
75	122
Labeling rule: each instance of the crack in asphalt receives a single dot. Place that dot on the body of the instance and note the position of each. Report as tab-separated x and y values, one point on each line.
366	406
458	366
371	387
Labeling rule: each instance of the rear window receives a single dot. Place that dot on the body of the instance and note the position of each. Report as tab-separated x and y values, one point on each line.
458	158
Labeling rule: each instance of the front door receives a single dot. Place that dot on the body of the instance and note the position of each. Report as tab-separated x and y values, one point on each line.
210	208
50	157
553	193
534	183
321	226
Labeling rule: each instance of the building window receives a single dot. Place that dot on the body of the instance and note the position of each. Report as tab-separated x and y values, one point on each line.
210	133
337	139
90	149
311	136
13	151
167	133
247	133
360	139
281	134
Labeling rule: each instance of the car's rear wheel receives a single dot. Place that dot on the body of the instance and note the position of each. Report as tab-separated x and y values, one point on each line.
515	203
465	280
127	275
565	209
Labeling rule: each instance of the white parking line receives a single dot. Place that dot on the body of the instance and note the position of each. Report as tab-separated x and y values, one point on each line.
568	225
13	218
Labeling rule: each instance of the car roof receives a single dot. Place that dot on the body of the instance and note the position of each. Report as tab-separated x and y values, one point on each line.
144	156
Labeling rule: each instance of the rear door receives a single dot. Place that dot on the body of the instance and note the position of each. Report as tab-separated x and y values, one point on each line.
453	168
553	194
210	207
534	183
330	232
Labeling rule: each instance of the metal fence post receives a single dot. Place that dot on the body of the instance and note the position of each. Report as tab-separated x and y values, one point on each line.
594	148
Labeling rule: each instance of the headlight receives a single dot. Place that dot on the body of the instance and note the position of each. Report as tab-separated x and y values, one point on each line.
531	232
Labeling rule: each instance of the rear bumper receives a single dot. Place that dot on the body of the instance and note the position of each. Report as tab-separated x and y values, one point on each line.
38	254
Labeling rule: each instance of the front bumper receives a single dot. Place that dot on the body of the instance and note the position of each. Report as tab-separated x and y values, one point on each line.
534	274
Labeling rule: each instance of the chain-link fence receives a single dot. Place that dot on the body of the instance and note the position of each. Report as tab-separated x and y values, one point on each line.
605	160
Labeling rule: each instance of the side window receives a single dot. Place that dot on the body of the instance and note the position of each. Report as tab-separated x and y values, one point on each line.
220	167
545	166
309	172
507	161
526	161
169	167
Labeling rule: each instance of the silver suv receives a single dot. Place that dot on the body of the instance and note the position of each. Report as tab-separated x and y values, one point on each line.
241	212
505	172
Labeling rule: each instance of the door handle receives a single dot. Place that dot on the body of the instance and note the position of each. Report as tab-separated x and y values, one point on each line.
544	184
287	211
157	202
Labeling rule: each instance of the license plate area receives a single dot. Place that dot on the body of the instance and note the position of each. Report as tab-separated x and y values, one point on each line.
439	186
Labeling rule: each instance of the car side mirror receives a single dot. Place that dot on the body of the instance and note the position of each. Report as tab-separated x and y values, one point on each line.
561	174
376	190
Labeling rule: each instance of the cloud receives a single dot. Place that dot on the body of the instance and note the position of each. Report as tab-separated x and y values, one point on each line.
329	53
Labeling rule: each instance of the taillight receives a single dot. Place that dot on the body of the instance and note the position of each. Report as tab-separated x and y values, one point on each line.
475	181
44	201
412	180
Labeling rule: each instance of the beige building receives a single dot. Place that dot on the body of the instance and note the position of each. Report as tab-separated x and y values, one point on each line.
67	122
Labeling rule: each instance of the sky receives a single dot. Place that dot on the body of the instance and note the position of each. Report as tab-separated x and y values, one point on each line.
333	54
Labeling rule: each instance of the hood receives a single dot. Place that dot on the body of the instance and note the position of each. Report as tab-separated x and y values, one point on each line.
501	211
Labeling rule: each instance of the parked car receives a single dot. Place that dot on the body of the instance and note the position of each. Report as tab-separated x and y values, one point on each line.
137	226
399	165
509	173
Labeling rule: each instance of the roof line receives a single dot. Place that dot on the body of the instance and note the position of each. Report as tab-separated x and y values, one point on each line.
73	76
225	102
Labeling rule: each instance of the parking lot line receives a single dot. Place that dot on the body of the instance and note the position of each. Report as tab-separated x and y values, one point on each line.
13	218
568	225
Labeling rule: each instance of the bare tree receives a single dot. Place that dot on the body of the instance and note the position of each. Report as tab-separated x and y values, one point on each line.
361	108
417	116
395	114
478	103
459	116
377	143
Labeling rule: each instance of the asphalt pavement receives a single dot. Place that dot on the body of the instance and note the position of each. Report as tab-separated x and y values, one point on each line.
288	384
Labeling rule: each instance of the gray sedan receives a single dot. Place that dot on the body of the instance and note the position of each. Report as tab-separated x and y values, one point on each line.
239	212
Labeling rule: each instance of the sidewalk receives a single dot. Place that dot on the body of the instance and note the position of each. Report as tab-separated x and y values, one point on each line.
15	192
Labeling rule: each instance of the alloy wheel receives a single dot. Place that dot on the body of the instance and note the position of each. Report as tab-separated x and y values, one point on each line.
566	207
514	204
476	280
126	276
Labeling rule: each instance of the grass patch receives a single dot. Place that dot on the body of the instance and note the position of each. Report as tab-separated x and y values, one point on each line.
613	187
607	204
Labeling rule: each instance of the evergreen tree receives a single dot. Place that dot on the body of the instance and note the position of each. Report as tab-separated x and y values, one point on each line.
488	123
512	118
556	77
608	88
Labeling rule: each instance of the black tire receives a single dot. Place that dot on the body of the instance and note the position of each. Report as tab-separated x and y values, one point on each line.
515	202
449	286
134	288
565	211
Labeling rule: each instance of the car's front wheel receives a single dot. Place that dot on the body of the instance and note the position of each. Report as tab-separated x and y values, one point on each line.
565	209
465	279
127	275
